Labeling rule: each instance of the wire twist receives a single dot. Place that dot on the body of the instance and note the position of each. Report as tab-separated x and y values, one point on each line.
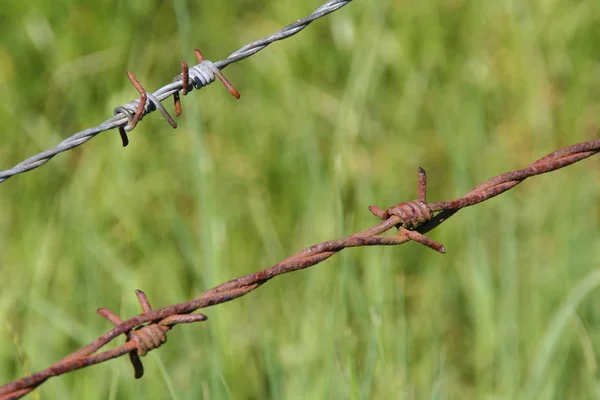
148	338
411	218
126	116
412	214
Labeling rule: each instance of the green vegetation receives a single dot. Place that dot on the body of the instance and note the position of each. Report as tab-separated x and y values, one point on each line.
330	121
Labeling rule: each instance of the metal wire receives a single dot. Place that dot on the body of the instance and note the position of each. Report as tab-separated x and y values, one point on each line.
202	74
147	331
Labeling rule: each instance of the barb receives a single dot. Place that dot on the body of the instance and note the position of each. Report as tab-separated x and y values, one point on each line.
127	116
147	331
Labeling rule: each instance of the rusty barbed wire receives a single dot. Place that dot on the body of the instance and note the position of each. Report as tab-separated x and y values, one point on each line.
202	74
147	331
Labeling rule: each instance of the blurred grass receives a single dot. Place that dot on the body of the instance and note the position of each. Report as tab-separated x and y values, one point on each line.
330	121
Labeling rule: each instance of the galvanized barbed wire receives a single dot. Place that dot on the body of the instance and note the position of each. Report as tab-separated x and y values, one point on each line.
147	331
127	116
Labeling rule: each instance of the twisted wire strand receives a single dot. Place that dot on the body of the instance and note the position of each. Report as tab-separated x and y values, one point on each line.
416	215
201	75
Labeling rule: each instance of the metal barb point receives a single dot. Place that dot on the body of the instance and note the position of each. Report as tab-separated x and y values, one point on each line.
144	302
185	75
219	75
422	185
185	78
124	137
143	98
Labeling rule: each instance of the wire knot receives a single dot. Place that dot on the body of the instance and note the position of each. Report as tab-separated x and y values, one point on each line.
150	336
412	214
202	74
135	110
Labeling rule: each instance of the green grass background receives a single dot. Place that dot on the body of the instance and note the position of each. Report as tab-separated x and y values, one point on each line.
330	121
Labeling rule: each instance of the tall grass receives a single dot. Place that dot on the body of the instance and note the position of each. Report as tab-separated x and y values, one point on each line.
330	121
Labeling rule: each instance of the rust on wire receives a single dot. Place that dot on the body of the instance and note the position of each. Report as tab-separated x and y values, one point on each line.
148	337
185	80
203	73
412	215
147	331
219	75
184	90
142	107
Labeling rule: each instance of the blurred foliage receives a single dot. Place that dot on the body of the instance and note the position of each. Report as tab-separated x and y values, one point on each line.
330	121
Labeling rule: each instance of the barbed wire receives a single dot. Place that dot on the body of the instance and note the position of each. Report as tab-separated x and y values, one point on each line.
127	116
147	331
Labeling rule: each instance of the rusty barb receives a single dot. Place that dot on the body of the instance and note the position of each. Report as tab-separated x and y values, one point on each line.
126	117
147	331
150	336
412	215
200	75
